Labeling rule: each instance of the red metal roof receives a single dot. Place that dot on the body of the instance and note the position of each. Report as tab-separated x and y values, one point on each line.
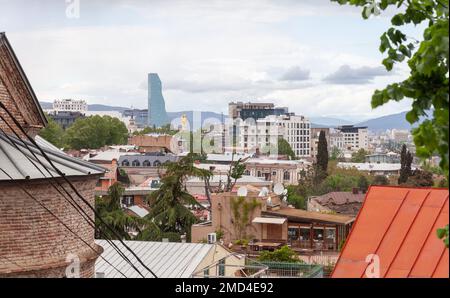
399	226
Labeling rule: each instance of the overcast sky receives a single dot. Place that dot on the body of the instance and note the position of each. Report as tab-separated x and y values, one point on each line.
314	56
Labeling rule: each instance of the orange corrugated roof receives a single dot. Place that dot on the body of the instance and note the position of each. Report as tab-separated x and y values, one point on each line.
399	226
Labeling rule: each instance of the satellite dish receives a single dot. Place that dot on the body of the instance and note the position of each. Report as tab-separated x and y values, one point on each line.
285	192
269	201
242	191
278	189
264	192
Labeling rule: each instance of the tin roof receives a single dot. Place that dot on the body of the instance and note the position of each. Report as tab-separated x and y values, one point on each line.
16	163
399	226
165	259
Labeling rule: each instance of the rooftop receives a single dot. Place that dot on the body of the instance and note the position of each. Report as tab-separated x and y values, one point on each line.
165	259
299	214
17	161
399	226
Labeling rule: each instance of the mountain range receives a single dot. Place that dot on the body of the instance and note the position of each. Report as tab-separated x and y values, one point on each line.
397	121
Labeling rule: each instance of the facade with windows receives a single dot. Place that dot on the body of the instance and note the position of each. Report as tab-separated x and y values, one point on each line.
286	172
354	138
70	105
263	134
146	161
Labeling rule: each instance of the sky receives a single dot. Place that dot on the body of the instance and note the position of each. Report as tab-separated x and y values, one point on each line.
316	57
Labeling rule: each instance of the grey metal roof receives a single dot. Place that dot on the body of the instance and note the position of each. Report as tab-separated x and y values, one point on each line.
165	259
16	162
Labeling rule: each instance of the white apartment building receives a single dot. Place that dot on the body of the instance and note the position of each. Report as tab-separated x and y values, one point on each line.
265	132
355	138
337	139
70	105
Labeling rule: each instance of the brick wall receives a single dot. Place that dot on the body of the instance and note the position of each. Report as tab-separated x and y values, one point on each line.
32	242
16	95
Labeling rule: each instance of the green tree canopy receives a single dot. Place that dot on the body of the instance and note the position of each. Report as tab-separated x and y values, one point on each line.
359	156
95	132
285	149
53	133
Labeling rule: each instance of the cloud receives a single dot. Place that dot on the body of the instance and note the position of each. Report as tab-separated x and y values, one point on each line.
296	74
346	75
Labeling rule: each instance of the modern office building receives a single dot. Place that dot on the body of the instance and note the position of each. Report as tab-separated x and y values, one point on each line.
157	115
355	138
254	110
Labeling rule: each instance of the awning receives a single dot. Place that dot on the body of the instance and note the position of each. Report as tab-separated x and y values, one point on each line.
269	220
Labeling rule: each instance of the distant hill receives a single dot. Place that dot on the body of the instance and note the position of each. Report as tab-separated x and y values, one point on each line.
93	107
397	121
321	122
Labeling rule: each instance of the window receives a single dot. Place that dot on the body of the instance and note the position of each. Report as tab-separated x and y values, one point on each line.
128	201
247	173
222	267
259	174
293	233
136	163
125	163
147	163
157	163
286	176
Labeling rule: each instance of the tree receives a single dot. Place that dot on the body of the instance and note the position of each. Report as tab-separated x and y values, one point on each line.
53	133
284	148
420	179
363	183
111	212
169	204
336	153
428	82
359	156
295	198
405	165
322	152
95	132
380	180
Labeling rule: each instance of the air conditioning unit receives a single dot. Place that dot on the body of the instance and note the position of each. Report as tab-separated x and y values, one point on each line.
212	238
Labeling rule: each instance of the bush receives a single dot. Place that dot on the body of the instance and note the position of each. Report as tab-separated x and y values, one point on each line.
284	254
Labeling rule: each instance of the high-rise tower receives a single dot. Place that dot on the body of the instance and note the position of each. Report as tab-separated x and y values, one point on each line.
157	115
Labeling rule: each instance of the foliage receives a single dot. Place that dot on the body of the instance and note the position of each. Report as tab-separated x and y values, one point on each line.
336	153
123	177
219	234
242	209
380	180
284	254
284	148
95	132
168	204
405	165
295	198
428	82
111	212
359	156
363	183
53	133
420	179
234	173
443	234
322	152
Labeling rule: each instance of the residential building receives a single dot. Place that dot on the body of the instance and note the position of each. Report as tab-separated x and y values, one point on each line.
286	172
394	235
390	157
155	143
386	169
400	136
140	116
196	186
338	202
167	260
157	115
33	241
337	139
254	110
264	134
271	224
355	138
65	118
70	105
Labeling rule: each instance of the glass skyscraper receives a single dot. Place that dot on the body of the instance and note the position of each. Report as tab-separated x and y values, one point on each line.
157	115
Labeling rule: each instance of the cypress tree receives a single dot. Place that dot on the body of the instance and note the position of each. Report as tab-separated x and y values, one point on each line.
322	153
406	159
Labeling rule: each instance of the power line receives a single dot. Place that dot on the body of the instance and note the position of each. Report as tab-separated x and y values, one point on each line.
79	209
72	187
59	220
